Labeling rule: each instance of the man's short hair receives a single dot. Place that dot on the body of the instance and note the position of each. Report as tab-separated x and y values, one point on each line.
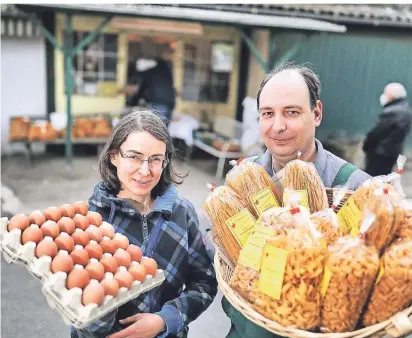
397	90
311	79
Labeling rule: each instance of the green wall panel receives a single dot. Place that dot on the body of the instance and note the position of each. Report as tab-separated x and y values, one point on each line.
353	69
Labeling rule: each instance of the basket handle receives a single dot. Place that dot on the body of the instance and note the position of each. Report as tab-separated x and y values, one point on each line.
401	325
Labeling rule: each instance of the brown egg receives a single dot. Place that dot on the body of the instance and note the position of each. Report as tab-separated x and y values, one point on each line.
67	210
135	252
19	221
107	229
62	262
80	255
32	234
66	224
46	247
80	237
78	278
138	272
124	278
111	286
123	257
95	233
93	294
150	265
37	217
81	222
95	270
110	263
108	246
121	241
52	214
65	242
94	250
81	207
50	228
94	218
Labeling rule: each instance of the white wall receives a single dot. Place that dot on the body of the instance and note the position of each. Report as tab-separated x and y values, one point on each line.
23	81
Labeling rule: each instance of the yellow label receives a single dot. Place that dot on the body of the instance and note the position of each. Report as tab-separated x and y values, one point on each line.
261	230
241	225
349	217
272	271
251	254
355	230
302	194
327	275
381	271
263	200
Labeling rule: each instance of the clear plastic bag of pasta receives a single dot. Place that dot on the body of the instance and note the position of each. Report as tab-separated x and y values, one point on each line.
288	290
303	177
404	230
326	221
231	220
392	291
246	275
284	219
251	181
350	271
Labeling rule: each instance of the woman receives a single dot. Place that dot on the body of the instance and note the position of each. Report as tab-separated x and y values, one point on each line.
137	195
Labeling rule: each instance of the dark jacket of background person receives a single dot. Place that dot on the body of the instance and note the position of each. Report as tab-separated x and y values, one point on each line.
388	136
156	87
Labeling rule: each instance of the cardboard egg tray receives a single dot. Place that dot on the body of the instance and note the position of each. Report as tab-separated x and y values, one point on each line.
67	302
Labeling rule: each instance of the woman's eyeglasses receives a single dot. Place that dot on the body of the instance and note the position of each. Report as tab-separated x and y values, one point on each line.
155	162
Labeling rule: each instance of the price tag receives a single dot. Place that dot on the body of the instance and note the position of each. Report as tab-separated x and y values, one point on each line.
327	275
263	200
302	195
241	225
272	271
350	217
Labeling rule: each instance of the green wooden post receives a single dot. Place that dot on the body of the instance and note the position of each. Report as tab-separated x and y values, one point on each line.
69	87
254	50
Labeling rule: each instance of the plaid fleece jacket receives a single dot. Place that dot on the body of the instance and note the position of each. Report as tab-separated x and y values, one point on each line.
190	285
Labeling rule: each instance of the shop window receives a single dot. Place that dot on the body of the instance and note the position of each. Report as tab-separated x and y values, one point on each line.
207	68
95	67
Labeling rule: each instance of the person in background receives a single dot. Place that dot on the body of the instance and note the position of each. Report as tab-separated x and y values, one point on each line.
155	86
290	110
385	141
137	194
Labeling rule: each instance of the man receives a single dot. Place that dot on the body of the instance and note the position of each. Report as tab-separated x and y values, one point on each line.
155	87
290	110
385	141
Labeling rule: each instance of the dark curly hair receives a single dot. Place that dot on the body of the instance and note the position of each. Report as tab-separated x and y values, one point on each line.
138	120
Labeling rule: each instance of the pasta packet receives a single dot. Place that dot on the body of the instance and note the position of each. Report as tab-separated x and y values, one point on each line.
302	177
246	274
395	178
326	221
392	291
231	220
290	275
350	271
251	181
404	230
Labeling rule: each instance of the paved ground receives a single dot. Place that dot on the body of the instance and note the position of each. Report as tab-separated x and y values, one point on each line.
24	310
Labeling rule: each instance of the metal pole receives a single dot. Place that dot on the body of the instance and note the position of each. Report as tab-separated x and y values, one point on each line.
68	80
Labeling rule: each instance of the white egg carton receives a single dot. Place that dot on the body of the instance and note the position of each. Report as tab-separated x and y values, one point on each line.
67	302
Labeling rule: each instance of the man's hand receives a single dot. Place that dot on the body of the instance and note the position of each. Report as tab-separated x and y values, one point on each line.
145	325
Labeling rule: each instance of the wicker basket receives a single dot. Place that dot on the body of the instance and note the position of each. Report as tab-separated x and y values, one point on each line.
397	326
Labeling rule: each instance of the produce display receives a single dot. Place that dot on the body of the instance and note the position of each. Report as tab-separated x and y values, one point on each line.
86	268
307	266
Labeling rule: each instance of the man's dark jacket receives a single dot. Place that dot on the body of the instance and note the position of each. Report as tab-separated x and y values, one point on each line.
388	136
155	86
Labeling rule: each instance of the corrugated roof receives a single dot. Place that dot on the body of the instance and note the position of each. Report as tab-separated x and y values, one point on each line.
385	14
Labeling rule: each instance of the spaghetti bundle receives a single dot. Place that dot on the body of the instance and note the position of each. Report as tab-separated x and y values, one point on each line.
232	221
251	181
303	177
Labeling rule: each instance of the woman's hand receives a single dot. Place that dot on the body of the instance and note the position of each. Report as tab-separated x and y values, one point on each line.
145	325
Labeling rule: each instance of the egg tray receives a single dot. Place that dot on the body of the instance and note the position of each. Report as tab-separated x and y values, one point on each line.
67	302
